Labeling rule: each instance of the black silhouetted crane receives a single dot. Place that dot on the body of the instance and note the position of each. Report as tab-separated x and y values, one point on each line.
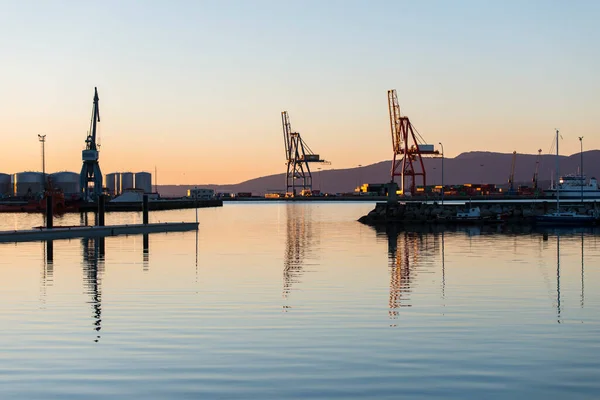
406	145
298	157
90	172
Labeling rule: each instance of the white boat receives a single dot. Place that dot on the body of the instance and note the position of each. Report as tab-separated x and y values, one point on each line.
574	187
474	213
566	217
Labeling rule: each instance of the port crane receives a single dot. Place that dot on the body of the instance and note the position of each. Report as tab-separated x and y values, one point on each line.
537	168
409	148
511	177
298	159
90	171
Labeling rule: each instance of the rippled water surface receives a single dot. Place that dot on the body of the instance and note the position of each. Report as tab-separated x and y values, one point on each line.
282	300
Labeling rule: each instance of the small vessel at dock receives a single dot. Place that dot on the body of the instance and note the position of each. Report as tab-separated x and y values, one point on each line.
566	217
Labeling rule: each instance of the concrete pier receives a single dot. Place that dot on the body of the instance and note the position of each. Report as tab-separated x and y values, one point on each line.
58	232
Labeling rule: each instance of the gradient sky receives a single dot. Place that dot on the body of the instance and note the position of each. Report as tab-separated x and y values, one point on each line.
196	88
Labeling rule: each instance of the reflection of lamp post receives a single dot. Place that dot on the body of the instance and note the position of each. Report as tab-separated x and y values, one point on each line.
581	166
42	139
443	188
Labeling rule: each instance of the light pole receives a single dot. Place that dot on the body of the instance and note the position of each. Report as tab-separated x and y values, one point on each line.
42	139
359	178
320	177
581	165
443	188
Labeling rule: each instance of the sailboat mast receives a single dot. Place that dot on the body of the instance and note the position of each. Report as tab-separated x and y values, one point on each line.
557	182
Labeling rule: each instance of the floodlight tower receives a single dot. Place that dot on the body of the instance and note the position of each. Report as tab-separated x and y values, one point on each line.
406	145
90	172
298	157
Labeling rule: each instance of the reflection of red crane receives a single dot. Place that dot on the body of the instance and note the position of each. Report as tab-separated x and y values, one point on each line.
537	168
406	145
298	156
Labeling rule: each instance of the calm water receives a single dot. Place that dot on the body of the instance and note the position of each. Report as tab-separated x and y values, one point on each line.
274	300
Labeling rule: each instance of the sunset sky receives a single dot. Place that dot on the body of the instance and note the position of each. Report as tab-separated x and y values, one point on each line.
196	88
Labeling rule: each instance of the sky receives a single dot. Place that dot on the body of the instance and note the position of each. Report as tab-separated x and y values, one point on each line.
195	89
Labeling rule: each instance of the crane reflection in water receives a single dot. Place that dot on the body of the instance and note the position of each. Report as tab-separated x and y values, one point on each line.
405	249
93	262
300	238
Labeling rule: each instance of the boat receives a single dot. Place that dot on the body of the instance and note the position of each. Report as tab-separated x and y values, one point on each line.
565	217
473	214
575	187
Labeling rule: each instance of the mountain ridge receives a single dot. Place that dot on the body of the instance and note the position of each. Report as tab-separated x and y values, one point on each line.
467	167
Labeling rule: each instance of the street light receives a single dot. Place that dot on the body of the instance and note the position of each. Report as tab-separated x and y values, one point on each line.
320	177
42	139
581	166
443	188
359	178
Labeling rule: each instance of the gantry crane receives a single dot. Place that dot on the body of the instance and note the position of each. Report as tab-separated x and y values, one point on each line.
537	168
406	145
298	157
511	177
90	172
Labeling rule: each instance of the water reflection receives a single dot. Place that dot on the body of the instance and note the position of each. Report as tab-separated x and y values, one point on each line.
145	252
93	270
409	251
298	243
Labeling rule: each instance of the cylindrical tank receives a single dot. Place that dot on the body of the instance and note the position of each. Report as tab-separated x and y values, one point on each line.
28	183
113	183
143	180
68	182
5	187
126	181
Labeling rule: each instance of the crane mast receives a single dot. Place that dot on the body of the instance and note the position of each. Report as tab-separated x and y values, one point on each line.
537	168
298	157
90	176
408	151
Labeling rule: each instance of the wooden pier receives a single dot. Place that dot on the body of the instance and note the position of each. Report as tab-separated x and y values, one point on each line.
70	232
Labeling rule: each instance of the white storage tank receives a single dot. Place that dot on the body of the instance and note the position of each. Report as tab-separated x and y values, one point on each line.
28	183
113	183
68	182
5	186
126	181
143	180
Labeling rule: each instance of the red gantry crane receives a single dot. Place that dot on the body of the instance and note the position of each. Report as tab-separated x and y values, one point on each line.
298	158
409	148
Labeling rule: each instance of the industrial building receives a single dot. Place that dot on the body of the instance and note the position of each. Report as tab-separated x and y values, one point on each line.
5	185
201	194
68	182
117	183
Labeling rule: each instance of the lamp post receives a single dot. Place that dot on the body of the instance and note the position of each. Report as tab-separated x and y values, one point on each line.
320	177
359	178
443	188
581	165
42	139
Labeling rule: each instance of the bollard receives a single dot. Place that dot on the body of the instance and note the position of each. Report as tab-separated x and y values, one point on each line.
145	210
101	210
49	212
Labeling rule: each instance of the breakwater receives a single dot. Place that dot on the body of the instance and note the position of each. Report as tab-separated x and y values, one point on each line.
488	212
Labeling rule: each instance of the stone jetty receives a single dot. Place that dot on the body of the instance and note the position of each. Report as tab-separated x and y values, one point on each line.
489	212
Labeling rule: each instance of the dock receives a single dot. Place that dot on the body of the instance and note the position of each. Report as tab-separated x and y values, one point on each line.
70	232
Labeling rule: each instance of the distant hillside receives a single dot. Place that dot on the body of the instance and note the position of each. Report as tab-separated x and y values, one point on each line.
471	167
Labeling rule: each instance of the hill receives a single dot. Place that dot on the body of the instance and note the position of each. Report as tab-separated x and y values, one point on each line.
470	167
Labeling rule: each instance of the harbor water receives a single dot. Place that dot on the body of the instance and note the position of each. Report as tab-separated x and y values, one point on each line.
282	300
